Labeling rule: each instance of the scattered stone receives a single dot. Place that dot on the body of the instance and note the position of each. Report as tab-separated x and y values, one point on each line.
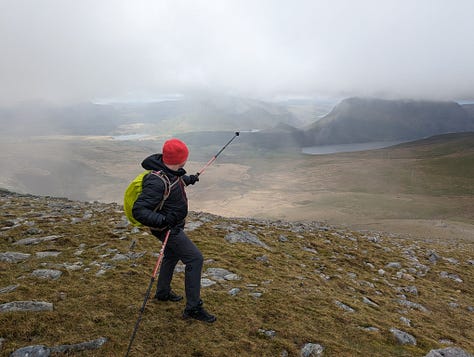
205	283
32	351
449	352
369	302
8	289
89	345
344	306
32	231
433	257
42	255
403	337
393	265
282	238
452	261
120	257
234	291
47	273
405	320
413	305
446	275
408	289
446	342
34	241
13	257
43	351
312	350
221	274
370	329
267	333
256	295
245	237
26	306
262	259
191	226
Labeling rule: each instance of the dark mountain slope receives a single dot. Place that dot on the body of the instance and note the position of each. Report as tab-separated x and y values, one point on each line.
363	120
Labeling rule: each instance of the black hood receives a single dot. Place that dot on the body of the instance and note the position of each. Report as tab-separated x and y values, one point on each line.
155	162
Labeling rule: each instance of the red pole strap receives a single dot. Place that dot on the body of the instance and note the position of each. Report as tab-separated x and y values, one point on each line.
160	257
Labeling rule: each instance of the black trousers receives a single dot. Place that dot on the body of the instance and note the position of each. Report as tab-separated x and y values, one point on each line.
180	247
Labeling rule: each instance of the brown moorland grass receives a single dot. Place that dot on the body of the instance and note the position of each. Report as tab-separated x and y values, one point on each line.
300	279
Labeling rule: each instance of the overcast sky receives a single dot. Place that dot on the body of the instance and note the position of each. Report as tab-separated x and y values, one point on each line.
90	50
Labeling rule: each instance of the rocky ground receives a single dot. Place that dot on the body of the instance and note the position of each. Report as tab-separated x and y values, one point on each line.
73	276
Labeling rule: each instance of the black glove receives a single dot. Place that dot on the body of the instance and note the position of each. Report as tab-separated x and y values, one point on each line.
171	219
193	179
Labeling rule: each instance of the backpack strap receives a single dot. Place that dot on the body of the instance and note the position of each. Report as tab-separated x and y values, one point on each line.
168	187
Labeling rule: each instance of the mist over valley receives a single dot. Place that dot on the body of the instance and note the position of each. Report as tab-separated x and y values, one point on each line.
90	152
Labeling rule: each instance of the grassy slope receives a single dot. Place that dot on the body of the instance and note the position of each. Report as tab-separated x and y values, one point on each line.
297	302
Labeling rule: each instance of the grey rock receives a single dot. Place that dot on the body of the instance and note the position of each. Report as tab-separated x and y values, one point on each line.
393	265
26	306
34	230
245	237
282	238
369	302
13	257
403	337
370	329
41	255
449	352
32	351
234	291
267	333
344	306
433	257
312	350
43	351
8	289
405	320
47	273
191	226
221	274
34	241
413	305
446	275
120	257
452	261
205	283
89	345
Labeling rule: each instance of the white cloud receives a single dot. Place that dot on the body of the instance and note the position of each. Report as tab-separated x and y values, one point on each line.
83	50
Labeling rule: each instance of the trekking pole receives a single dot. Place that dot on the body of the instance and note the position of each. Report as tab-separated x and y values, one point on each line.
147	294
216	155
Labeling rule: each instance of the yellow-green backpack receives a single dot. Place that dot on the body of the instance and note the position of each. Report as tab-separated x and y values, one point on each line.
134	190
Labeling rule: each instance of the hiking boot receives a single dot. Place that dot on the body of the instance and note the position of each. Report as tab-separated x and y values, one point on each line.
171	296
198	313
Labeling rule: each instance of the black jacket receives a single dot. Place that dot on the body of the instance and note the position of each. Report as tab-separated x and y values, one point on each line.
152	195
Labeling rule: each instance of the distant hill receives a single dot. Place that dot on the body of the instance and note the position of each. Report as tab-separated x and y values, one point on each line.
357	120
155	118
469	108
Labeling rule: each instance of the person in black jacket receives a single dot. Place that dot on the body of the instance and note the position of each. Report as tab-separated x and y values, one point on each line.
171	217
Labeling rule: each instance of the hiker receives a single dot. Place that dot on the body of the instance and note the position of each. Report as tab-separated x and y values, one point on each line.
172	217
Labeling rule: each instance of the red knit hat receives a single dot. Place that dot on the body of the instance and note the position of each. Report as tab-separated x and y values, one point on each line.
175	152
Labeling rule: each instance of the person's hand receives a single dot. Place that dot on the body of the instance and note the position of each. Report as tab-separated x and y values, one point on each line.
193	179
